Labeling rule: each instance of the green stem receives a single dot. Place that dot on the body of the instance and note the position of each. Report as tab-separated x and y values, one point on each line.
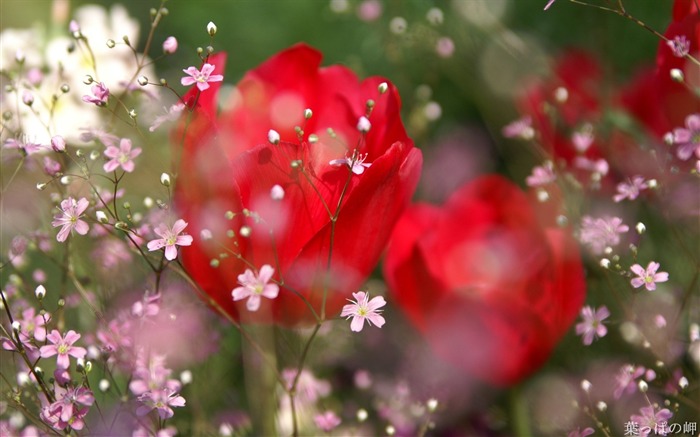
259	367
520	418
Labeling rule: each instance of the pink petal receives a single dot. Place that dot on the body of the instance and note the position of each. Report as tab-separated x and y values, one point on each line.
128	166
239	293
48	351
266	273
652	268
638	270
637	282
376	320
111	152
215	78
81	206
661	277
81	227
187	81
184	240
112	165
348	310
203	86
375	303
253	302
155	244
63	233
271	291
693	122
170	252
179	226
207	69
357	324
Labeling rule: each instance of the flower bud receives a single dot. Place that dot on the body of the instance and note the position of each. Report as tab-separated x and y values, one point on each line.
104	385
308	113
640	228
211	28
677	75
432	404
245	231
40	292
125	38
102	217
165	179
273	137
170	45
683	382
362	415
383	87
58	144
111	43
27	98
185	377
277	192
363	124
142	80
16	326
601	406
643	386
586	385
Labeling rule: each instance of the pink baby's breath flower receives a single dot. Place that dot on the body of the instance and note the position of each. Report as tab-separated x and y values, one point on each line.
69	219
100	95
625	380
58	144
327	421
549	3
356	164
160	400
201	78
520	128
541	175
122	156
652	421
90	134
171	114
578	432
600	166
599	233
582	140
630	190
688	139
362	309
62	347
592	325
51	167
680	45
445	47
170	238
252	287
69	409
648	277
369	10
27	147
170	45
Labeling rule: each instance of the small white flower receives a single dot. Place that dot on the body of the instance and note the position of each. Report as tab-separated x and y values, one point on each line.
357	165
363	124
277	192
273	137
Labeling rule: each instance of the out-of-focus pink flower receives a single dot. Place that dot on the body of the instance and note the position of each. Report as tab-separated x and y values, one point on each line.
122	156
541	175
171	114
369	10
100	95
688	139
201	78
327	421
51	167
648	277
160	400
592	325
363	309
625	380
630	190
62	347
69	409
520	128
58	144
680	45
600	233
652	421
254	286
69	219
170	238
170	45
445	47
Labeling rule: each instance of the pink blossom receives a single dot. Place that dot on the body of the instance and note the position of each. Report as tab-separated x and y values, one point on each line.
648	277
362	309
69	219
599	233
100	95
309	388
253	286
521	128
680	46
90	134
592	325
596	166
625	380
51	167
171	114
170	45
34	325
63	347
58	144
69	409
445	47
327	421
121	157
149	306
369	10
160	400
151	374
356	163
630	190
541	175
201	78
688	139
27	147
582	140
651	421
170	238
578	432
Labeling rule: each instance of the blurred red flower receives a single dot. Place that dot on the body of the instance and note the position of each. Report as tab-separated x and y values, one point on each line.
491	289
228	164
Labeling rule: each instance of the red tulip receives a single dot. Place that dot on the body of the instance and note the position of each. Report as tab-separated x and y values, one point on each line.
490	289
228	164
